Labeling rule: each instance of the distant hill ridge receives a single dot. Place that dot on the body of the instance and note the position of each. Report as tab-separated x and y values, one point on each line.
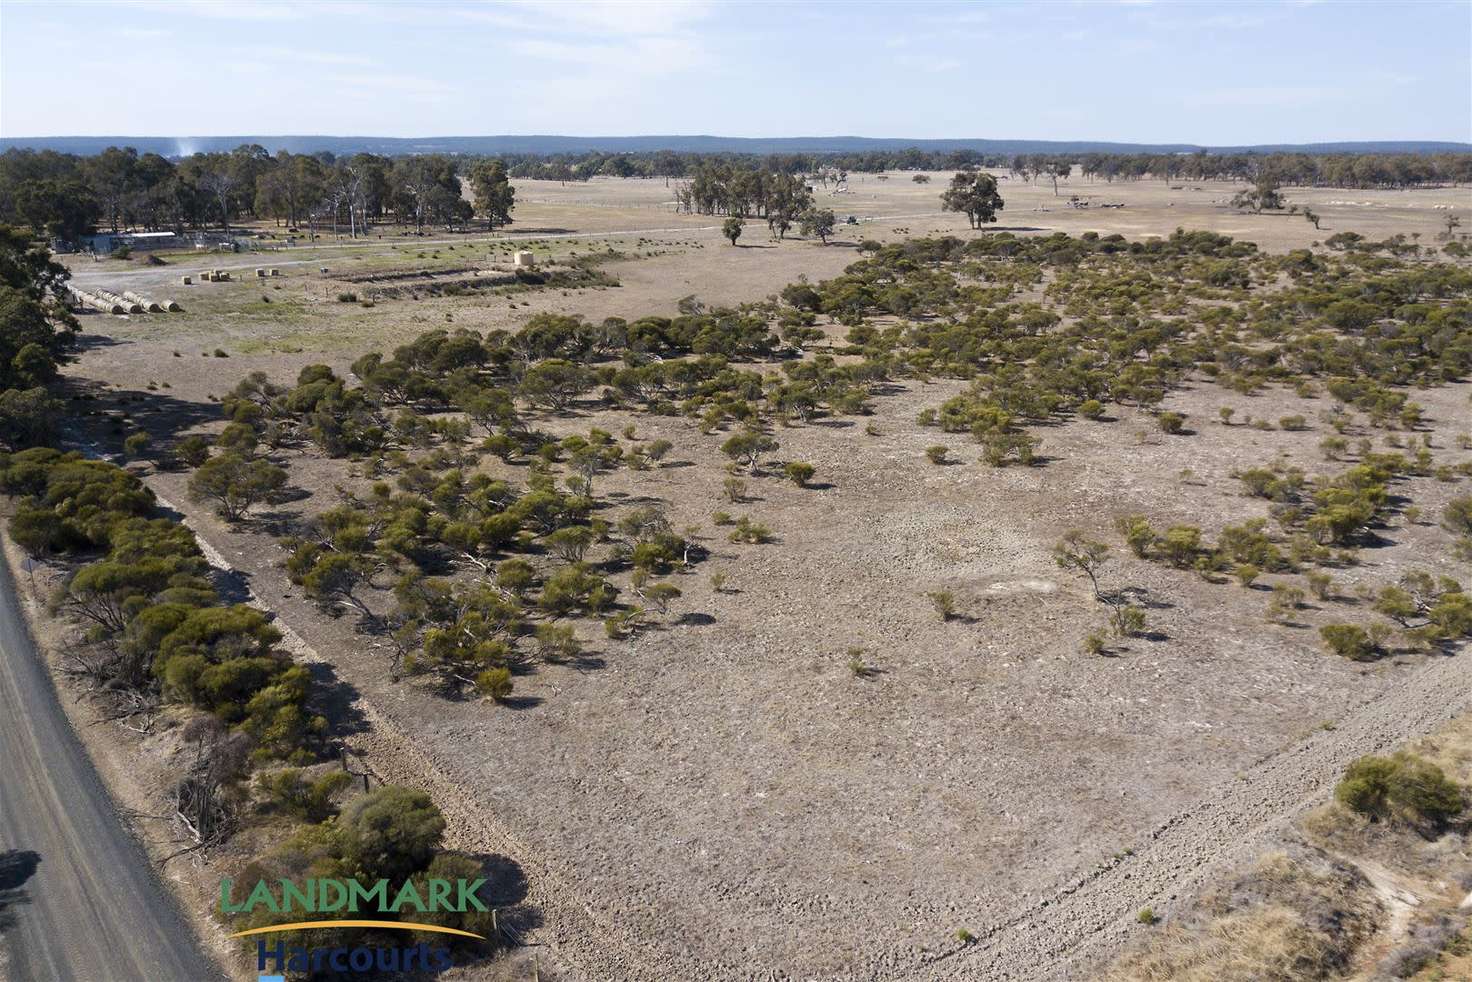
171	146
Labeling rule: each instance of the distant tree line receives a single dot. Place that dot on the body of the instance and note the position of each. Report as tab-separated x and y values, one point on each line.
65	196
1338	170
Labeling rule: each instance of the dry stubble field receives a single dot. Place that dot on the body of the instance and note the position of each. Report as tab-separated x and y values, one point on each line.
723	797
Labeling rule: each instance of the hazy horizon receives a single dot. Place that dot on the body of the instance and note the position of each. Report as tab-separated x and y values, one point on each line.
1211	74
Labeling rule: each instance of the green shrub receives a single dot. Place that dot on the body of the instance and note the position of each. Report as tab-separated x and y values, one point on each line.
192	450
749	532
494	683
799	473
944	602
1378	786
288	792
1180	545
389	833
1348	640
136	445
1321	585
1246	573
1456	517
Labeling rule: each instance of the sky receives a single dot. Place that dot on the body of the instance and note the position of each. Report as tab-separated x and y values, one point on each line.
1153	72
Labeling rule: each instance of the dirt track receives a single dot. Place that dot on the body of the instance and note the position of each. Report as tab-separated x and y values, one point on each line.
1085	923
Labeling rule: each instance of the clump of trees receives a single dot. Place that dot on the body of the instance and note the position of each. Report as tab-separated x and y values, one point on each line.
36	333
157	629
157	633
740	190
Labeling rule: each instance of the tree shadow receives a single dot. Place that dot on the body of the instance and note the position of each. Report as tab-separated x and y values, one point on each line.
505	892
336	699
17	866
275	523
156	413
84	342
694	618
1144	598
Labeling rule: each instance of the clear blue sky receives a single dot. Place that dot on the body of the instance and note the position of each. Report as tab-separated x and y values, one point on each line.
1211	73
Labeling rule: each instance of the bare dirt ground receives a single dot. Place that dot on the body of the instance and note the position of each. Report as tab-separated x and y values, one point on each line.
673	255
724	798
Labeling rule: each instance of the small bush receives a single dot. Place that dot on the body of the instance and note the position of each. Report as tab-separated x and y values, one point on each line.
136	445
1129	621
1321	585
749	532
290	793
937	454
1349	641
1456	518
556	643
799	473
494	683
347	298
1171	422
192	450
944	602
1378	786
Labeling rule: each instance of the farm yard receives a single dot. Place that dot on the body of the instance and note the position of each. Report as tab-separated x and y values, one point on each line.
856	720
